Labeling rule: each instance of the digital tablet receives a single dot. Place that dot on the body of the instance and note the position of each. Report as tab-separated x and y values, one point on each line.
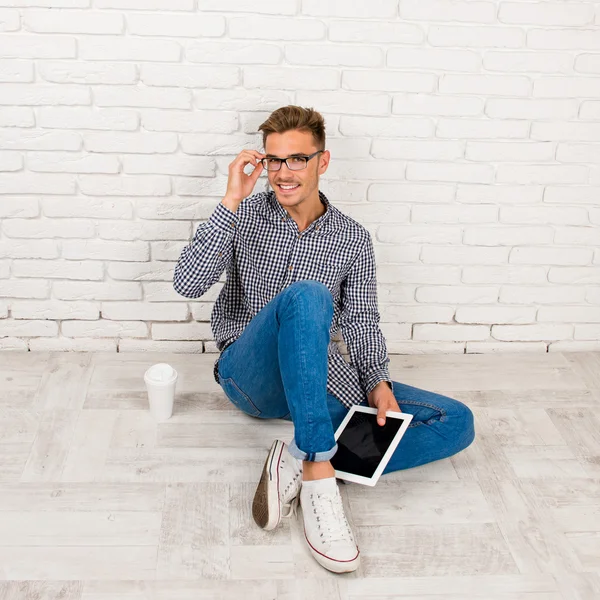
364	447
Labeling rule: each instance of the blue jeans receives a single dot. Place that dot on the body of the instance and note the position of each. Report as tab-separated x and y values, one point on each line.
277	369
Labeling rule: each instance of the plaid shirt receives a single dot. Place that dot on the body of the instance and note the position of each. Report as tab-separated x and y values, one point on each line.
263	251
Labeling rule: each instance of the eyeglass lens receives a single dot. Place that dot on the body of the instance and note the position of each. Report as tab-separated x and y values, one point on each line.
295	163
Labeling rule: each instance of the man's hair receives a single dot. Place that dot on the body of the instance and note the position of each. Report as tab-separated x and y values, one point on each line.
291	117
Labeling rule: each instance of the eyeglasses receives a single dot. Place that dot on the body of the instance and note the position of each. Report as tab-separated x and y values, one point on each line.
294	163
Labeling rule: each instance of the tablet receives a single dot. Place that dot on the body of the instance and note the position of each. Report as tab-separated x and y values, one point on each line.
364	447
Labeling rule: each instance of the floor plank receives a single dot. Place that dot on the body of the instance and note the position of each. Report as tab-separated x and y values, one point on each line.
98	500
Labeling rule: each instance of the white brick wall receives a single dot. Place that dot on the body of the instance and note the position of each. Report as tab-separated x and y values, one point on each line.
465	135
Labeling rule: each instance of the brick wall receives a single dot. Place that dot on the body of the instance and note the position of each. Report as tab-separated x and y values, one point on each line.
465	135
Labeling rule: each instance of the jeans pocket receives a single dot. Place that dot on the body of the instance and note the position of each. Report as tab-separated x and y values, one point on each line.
238	398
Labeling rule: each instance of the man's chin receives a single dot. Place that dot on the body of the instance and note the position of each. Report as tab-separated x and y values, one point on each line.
286	198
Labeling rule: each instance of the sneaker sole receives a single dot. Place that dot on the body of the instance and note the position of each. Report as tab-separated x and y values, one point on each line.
266	509
331	564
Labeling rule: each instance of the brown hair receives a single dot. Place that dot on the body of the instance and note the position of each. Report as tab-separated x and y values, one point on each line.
291	117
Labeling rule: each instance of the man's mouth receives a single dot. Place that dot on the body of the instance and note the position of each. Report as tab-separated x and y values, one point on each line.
288	187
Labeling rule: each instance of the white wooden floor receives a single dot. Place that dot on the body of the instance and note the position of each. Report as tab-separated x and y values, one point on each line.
98	501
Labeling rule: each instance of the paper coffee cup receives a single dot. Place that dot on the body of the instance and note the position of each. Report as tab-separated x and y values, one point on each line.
160	382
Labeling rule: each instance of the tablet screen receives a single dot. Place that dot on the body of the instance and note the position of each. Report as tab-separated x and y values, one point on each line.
363	443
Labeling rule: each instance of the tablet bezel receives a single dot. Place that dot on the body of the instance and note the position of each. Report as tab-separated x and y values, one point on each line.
371	481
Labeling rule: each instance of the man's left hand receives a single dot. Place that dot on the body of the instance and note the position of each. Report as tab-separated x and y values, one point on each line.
382	398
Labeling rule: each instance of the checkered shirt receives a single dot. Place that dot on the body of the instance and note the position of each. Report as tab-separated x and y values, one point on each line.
263	251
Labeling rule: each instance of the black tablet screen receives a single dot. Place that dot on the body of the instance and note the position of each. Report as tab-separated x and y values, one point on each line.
363	443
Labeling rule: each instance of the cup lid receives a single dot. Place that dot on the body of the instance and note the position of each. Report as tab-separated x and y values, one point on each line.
160	372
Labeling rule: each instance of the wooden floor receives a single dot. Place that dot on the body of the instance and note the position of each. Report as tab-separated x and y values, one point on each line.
98	501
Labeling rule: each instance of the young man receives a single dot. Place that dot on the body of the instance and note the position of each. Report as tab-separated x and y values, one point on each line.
298	270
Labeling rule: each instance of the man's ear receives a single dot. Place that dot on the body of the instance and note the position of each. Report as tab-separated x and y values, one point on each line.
324	159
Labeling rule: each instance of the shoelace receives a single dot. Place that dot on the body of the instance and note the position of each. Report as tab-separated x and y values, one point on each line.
291	484
332	521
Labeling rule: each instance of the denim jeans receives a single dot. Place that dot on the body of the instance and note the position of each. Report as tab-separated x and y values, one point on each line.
277	369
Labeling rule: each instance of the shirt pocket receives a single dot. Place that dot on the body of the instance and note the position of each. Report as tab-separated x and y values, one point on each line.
328	273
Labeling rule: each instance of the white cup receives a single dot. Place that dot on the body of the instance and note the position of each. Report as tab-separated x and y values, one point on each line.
160	382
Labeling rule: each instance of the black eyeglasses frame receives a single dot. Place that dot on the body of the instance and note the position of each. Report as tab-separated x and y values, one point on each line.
285	160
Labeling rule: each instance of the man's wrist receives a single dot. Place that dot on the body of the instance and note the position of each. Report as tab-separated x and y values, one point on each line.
231	204
381	384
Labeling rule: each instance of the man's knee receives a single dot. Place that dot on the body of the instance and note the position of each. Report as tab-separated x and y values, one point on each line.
465	425
313	292
310	285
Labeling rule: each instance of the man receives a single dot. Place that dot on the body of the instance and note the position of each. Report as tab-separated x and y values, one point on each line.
298	270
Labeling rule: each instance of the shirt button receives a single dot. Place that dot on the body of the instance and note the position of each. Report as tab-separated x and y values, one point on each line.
290	267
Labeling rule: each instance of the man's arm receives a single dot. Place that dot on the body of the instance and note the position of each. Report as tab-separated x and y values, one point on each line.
359	320
204	259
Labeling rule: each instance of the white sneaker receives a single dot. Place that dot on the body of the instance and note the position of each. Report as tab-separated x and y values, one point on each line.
277	491
326	528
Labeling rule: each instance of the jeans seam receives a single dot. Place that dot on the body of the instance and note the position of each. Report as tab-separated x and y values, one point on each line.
309	419
258	411
427	405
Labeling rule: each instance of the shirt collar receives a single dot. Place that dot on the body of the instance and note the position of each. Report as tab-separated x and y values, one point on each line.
282	213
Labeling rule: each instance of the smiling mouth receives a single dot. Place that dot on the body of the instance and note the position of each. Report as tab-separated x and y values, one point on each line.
288	187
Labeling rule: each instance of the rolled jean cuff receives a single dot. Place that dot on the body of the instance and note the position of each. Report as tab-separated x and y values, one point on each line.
310	456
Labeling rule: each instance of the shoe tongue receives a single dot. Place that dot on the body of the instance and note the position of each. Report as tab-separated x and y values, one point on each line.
327	485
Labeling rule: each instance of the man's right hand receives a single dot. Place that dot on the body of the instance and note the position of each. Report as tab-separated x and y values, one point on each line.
240	185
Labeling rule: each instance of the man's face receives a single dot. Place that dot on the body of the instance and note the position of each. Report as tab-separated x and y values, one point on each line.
283	145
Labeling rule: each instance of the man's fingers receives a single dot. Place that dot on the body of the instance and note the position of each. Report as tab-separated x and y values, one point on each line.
381	416
253	154
246	157
257	171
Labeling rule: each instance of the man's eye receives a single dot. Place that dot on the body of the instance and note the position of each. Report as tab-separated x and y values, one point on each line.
297	159
272	161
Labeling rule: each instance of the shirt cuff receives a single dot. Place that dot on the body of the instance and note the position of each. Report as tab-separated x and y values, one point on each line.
223	218
374	377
